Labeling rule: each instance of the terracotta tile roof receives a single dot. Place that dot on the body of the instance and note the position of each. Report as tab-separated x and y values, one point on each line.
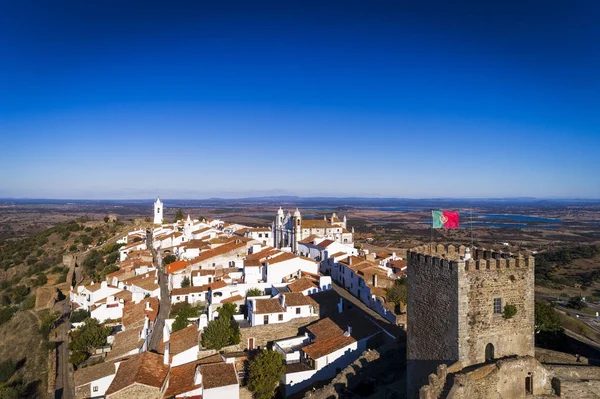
259	229
218	251
203	273
124	295
126	342
263	254
234	298
93	287
325	329
182	340
252	262
309	239
302	284
337	254
383	255
145	281
197	289
181	379
145	368
296	299
325	243
315	224
202	230
398	263
135	313
177	266
323	347
271	305
218	375
88	374
281	258
114	274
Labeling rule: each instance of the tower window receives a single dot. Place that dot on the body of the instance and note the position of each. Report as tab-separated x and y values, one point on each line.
157	210
497	305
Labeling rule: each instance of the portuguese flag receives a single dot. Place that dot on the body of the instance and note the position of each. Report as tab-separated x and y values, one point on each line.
445	219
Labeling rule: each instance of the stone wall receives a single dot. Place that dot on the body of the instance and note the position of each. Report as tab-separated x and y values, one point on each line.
451	308
504	379
432	318
484	280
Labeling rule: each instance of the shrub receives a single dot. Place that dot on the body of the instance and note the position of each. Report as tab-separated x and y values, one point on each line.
28	303
6	313
254	292
509	311
169	259
79	315
185	282
7	369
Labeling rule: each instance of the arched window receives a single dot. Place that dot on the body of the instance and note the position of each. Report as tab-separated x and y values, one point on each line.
489	352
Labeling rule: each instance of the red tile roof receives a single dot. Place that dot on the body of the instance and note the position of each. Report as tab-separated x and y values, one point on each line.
271	305
146	368
177	266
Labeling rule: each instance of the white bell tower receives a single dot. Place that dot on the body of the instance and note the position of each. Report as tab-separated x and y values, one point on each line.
158	211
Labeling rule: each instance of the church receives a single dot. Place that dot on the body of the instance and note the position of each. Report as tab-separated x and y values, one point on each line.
289	228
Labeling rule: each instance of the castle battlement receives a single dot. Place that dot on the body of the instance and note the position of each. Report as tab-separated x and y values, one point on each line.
452	257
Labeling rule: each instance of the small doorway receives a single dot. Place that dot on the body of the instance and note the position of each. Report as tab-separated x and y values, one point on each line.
251	343
529	385
266	319
489	353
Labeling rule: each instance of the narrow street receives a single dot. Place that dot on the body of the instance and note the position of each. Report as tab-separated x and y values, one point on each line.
64	379
165	299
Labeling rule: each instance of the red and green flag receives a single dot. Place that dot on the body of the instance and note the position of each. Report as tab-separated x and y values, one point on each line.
445	220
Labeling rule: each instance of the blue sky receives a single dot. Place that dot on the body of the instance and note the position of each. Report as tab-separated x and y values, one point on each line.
100	99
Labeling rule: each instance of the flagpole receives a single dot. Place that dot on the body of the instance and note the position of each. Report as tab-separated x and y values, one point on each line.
471	214
431	228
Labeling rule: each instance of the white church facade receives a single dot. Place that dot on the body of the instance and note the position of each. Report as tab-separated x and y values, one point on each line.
289	229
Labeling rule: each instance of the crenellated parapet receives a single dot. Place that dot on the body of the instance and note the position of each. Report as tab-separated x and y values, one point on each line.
472	259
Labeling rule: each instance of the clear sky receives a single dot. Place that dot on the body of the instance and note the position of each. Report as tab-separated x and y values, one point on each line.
134	99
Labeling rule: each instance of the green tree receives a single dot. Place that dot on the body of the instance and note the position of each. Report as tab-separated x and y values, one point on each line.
254	292
179	215
180	322
265	371
169	259
227	311
106	219
87	338
85	239
6	314
576	303
217	334
185	282
546	319
79	315
397	293
48	322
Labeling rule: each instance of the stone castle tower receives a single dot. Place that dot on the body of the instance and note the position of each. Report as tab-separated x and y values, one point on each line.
455	305
158	211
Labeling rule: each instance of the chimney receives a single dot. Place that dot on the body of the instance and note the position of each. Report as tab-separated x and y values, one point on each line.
282	300
197	376
375	280
350	260
148	307
166	356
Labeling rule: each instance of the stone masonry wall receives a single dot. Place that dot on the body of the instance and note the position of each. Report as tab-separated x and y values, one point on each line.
432	317
481	281
504	379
